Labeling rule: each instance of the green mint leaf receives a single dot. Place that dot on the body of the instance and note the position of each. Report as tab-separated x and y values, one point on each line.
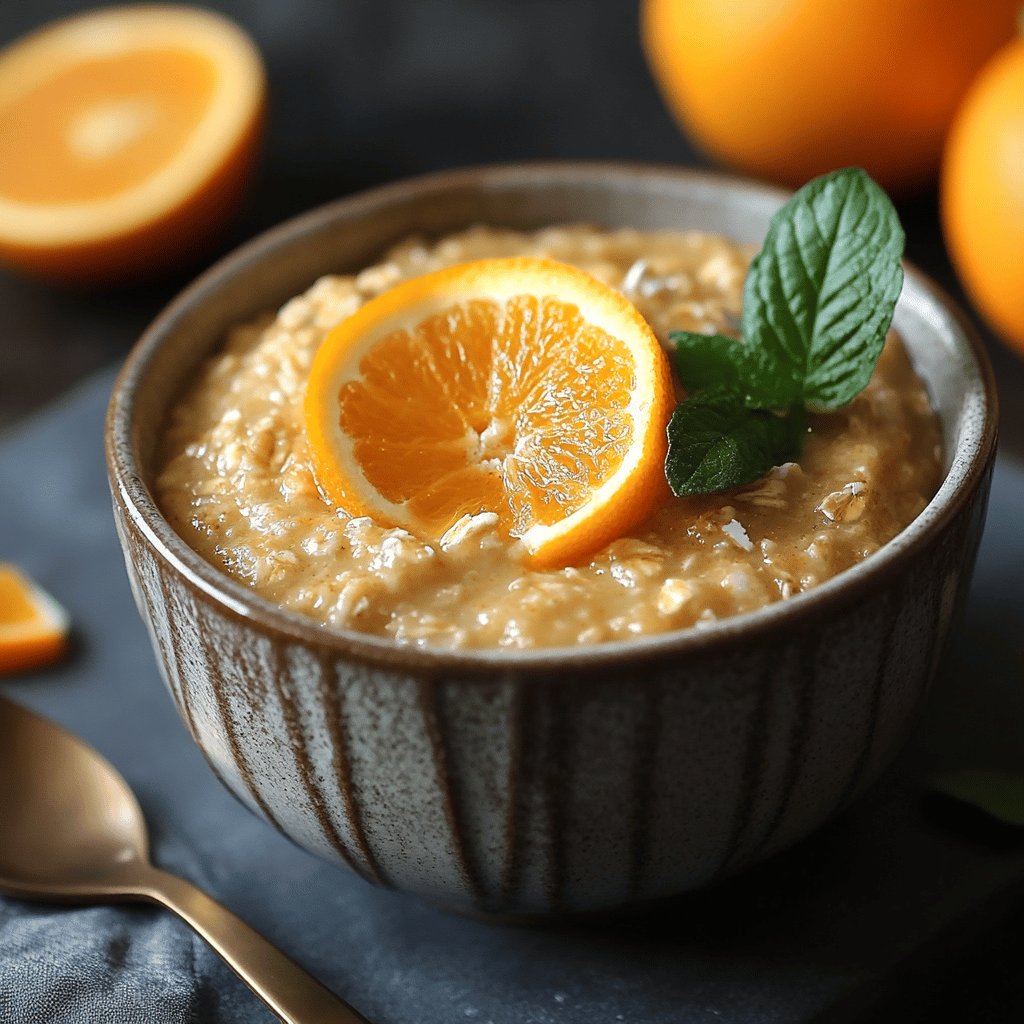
705	361
715	442
820	295
999	795
817	303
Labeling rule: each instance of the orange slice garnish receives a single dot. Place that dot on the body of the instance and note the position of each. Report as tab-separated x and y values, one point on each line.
33	627
522	387
125	136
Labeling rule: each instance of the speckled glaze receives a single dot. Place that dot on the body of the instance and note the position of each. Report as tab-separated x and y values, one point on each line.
553	780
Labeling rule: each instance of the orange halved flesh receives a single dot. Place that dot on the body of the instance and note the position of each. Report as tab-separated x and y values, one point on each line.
125	134
33	627
522	387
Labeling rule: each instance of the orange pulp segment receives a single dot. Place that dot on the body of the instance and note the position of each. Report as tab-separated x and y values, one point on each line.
33	627
522	387
125	134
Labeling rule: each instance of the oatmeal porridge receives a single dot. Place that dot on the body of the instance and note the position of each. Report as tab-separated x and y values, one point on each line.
237	482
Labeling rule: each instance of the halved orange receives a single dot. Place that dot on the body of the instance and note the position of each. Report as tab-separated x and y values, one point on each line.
33	627
523	387
125	137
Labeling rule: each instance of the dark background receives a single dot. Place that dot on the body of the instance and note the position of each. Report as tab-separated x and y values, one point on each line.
368	91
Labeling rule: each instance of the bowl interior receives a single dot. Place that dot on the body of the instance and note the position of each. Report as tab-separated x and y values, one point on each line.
348	235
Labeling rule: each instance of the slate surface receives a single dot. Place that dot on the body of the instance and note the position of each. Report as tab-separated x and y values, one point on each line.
836	929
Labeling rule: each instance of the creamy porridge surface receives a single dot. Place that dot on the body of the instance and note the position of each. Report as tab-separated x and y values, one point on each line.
236	480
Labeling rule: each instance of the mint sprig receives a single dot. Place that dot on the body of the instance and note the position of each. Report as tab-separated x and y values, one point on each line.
721	443
817	303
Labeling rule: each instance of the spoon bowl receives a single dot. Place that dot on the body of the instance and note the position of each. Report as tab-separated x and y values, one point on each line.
71	831
50	778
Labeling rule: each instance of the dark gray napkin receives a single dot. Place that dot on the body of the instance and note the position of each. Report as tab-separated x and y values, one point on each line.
79	967
821	927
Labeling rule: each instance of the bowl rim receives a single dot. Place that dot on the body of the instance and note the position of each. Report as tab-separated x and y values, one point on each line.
969	463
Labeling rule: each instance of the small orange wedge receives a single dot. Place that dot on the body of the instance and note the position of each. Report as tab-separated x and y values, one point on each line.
126	135
523	387
33	627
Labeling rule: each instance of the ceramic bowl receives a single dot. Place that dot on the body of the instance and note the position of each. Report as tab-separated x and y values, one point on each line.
556	780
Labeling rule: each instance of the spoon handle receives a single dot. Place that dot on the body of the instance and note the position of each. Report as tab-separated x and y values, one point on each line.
295	996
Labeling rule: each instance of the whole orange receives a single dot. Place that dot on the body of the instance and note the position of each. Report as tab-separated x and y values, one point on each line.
791	89
982	193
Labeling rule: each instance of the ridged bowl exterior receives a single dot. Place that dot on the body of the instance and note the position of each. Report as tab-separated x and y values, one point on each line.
566	780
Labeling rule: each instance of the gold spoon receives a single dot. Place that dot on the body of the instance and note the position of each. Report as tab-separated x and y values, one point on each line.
71	831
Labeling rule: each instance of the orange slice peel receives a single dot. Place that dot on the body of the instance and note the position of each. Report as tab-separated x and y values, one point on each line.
33	627
125	136
523	387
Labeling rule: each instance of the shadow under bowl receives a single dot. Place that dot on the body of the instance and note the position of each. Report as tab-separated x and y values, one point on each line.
554	780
